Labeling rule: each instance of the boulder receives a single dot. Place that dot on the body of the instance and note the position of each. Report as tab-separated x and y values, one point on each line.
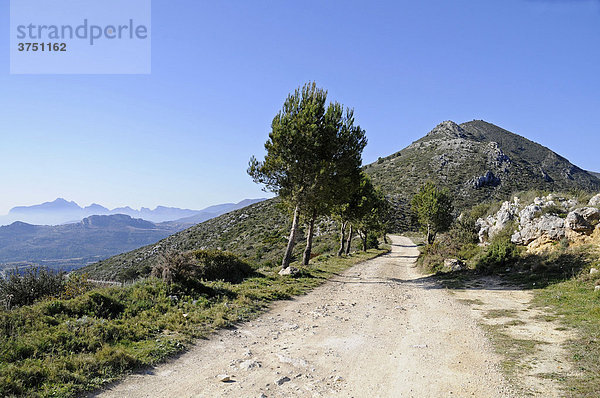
547	226
453	264
590	214
582	220
595	201
289	271
492	225
575	222
593	271
529	212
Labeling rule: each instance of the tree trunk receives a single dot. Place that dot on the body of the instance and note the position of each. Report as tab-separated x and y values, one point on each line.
287	258
349	241
385	239
363	236
430	235
342	238
309	236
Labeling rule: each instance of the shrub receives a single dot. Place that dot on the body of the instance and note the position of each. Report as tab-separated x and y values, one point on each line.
18	289
190	267
464	230
500	252
372	241
96	304
76	285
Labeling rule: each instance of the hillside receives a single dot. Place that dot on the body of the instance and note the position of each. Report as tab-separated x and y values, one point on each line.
258	233
74	245
476	161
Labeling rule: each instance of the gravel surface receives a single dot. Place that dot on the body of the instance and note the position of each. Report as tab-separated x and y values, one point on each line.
378	330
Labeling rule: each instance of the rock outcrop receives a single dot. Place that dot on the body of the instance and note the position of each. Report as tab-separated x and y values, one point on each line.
492	225
488	179
583	220
595	201
547	219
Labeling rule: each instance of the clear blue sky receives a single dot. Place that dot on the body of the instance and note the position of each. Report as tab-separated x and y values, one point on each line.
183	135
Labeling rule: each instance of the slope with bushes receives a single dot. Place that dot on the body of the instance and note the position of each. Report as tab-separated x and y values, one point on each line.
257	233
477	161
62	346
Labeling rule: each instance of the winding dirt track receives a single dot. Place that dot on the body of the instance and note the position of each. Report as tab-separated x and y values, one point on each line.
377	330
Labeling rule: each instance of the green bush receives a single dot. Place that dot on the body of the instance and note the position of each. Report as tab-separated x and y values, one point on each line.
96	304
18	289
211	265
372	241
500	253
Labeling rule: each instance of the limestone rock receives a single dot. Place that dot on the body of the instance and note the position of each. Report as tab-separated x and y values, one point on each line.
249	364
289	271
453	264
547	227
488	179
224	378
529	212
595	201
576	222
593	271
583	220
492	225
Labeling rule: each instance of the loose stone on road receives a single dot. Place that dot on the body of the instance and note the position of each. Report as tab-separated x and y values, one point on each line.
377	330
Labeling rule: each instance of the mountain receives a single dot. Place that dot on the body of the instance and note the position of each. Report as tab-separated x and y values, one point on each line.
476	161
597	175
213	211
61	211
74	245
258	233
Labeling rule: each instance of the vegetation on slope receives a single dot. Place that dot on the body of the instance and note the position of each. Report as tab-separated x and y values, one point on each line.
459	157
257	233
71	246
62	347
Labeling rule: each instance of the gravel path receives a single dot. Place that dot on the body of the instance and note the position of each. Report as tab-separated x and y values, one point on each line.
377	330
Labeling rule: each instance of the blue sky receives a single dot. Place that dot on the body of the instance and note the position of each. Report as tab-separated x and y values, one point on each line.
183	135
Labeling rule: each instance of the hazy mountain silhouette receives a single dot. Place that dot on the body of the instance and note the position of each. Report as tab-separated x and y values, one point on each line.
61	211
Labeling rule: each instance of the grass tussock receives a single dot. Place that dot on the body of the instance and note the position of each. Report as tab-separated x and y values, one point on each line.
61	347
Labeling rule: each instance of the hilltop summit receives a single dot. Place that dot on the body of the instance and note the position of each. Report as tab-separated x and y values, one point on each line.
476	161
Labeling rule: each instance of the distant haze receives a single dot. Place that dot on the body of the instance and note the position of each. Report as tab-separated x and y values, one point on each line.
61	211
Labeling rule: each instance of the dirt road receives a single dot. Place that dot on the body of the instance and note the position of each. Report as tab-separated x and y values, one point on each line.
377	330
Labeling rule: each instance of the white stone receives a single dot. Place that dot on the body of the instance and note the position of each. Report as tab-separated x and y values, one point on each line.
595	201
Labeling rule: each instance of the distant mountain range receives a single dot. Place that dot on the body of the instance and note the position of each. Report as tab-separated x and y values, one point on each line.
70	246
73	245
61	211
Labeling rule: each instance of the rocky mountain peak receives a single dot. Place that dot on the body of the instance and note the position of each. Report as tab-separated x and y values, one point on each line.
448	129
